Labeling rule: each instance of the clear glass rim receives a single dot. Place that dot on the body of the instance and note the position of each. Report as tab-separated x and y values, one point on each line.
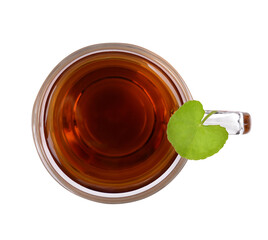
38	125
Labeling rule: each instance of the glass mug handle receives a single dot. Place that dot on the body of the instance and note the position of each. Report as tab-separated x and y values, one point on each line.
236	123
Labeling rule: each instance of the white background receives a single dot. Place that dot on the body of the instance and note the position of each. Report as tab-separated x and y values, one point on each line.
221	50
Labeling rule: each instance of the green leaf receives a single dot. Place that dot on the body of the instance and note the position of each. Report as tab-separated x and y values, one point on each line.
190	138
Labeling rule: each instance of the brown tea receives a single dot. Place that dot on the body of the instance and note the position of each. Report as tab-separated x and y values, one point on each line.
106	119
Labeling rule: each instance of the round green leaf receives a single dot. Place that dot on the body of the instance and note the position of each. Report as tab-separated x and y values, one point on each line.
190	138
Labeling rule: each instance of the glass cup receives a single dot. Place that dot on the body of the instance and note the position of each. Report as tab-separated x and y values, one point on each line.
104	152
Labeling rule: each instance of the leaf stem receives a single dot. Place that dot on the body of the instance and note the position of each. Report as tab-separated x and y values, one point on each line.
205	118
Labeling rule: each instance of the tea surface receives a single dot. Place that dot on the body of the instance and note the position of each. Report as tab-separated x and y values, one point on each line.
106	120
